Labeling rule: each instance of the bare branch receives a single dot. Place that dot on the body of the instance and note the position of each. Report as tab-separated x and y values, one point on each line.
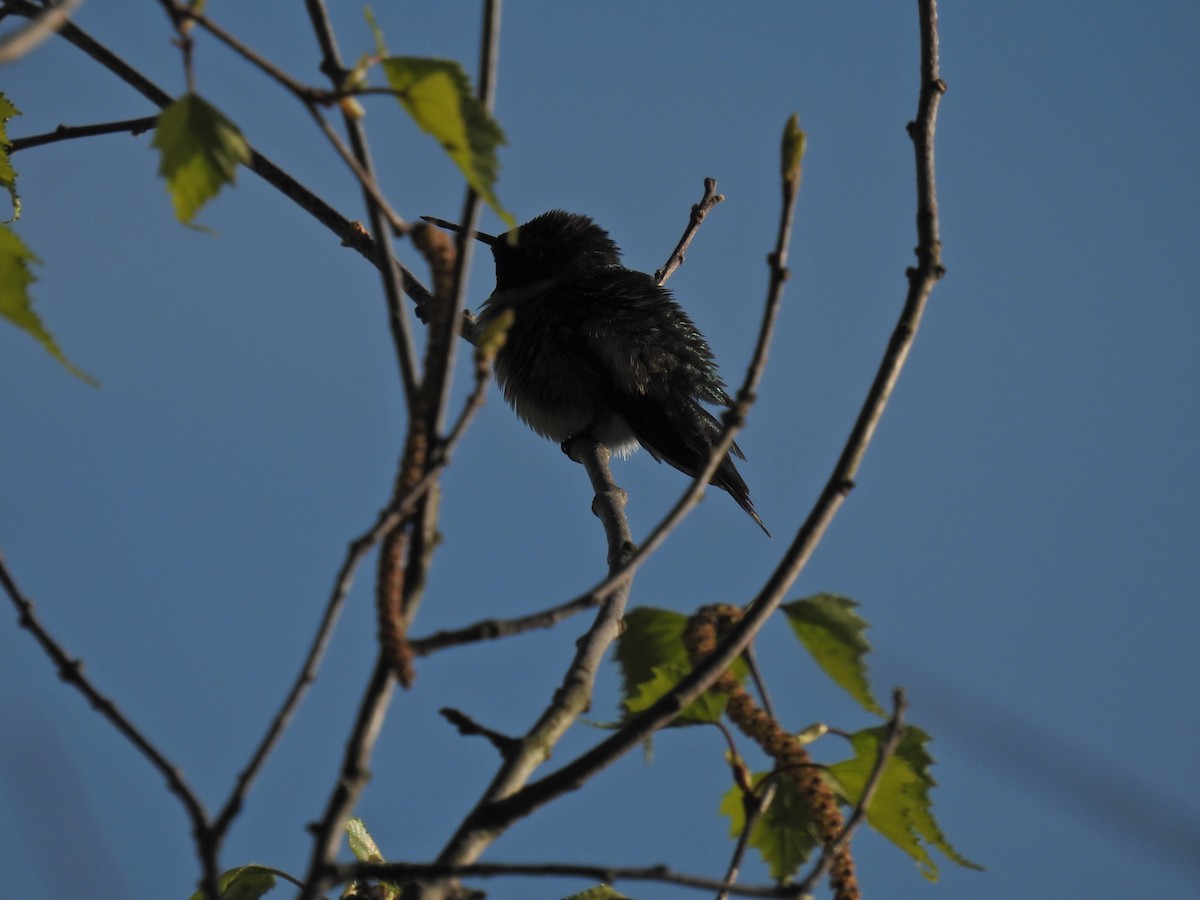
358	549
607	874
305	92
71	671
353	778
49	19
489	51
699	210
492	629
71	132
402	339
756	807
470	728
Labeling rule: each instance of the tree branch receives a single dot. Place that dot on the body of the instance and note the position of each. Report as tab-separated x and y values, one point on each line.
394	872
71	132
353	778
699	210
605	874
402	339
71	671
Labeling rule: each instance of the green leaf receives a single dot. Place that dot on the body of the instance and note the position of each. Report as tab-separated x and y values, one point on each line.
8	175
599	892
362	845
785	835
653	659
364	848
437	94
200	151
901	810
792	150
15	302
245	883
833	633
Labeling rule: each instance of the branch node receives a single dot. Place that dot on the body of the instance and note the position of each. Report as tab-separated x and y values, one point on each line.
469	727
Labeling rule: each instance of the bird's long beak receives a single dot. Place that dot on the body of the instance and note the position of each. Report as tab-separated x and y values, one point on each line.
488	239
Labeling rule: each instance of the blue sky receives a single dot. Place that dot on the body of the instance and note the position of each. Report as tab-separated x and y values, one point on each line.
1023	537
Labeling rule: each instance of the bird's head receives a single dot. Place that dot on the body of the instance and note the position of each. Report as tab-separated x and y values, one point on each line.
553	245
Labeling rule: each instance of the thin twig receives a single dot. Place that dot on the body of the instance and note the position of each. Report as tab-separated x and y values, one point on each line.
398	321
365	180
439	378
493	629
378	695
71	132
183	40
71	671
468	727
303	91
353	778
699	210
756	806
358	549
400	872
751	657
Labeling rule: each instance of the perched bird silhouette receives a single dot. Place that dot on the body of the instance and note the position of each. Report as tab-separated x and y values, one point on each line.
598	348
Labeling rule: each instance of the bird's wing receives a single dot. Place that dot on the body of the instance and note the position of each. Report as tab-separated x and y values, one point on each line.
660	368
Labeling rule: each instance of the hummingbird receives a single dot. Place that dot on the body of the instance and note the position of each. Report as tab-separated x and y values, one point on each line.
600	349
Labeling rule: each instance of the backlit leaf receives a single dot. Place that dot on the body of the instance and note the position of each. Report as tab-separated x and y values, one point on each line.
834	634
901	810
199	152
8	175
437	94
16	305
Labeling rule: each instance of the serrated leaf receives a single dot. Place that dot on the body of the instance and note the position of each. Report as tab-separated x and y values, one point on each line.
792	149
8	175
901	810
199	152
244	883
653	659
784	836
437	94
833	633
599	892
15	303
